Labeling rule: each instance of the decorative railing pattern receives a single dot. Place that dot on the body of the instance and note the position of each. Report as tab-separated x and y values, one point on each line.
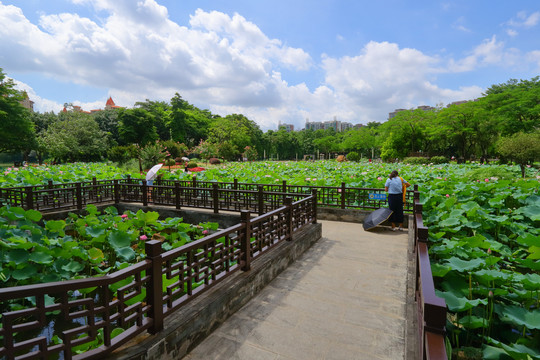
64	319
431	308
232	196
139	297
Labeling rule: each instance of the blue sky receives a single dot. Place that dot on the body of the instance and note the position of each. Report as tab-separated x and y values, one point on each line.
273	61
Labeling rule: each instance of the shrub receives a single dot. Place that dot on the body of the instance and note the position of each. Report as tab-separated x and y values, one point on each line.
489	171
353	156
122	154
416	160
192	164
438	160
151	155
214	161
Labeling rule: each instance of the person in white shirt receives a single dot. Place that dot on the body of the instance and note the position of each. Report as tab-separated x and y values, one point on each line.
394	186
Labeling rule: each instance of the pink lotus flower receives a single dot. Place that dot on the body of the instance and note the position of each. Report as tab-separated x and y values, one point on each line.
379	178
205	232
487	180
143	238
124	216
447	195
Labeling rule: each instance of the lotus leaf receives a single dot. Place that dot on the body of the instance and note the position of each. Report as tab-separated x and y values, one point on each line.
519	316
463	265
459	304
25	273
473	322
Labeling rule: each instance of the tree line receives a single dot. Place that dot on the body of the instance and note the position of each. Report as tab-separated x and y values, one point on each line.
484	128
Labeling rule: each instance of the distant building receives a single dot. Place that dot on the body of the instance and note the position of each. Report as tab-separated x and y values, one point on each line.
108	106
26	102
421	107
457	103
338	126
287	127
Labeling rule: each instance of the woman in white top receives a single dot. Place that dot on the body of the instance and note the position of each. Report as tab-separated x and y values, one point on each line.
394	186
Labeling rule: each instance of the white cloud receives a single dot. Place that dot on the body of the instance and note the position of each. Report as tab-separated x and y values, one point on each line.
524	20
512	32
227	64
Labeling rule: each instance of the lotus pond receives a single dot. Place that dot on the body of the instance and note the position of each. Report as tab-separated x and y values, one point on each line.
484	231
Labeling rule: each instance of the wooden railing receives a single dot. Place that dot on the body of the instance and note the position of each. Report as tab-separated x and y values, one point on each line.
233	196
431	308
62	319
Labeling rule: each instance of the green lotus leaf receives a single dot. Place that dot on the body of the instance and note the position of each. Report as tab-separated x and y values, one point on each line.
33	215
494	353
458	304
463	265
438	270
92	209
473	322
96	255
528	240
450	222
73	266
126	253
535	253
519	316
520	351
530	211
41	257
18	256
119	239
529	264
25	273
492	275
55	225
95	231
529	281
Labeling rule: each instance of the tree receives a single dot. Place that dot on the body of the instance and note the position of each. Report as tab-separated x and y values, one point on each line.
458	125
15	125
516	104
523	148
136	127
107	121
237	130
75	137
406	133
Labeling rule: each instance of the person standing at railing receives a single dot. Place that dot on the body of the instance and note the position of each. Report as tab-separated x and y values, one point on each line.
396	187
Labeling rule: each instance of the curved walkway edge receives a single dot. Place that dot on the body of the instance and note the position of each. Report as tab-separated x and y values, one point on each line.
350	296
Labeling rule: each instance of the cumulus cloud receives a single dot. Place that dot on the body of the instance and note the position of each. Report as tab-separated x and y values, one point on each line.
227	64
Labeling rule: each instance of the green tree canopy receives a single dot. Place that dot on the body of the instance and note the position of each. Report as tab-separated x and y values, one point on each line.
523	148
75	137
136	126
15	125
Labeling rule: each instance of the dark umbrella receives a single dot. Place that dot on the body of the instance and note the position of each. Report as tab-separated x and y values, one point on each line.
376	217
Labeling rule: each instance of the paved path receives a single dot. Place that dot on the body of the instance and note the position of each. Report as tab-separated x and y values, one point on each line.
345	298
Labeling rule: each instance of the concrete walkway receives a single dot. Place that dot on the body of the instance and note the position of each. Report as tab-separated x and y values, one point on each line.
344	299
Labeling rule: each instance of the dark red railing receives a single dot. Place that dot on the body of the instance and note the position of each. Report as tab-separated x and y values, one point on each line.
431	308
234	196
63	319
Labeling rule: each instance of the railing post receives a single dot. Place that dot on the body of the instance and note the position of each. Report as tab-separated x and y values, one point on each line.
50	184
194	185
94	181
343	195
284	186
314	193
235	187
245	218
116	190
144	190
29	198
289	218
78	195
177	194
260	199
215	197
154	287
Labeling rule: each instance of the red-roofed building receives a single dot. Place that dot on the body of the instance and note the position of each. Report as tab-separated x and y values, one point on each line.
108	106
